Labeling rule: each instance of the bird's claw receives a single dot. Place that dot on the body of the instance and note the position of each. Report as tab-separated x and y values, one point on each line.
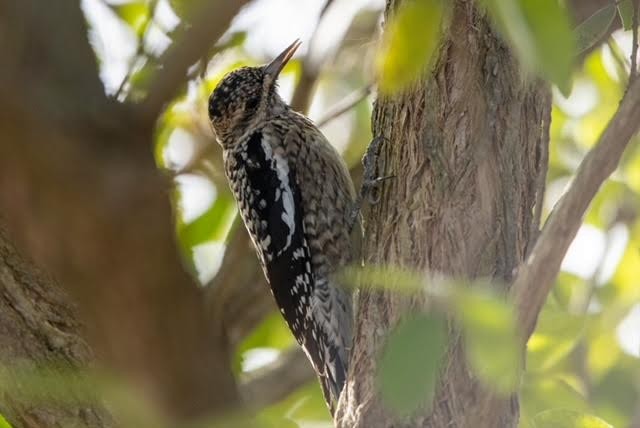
371	185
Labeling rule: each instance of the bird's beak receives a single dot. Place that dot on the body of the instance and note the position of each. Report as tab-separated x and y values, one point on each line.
275	67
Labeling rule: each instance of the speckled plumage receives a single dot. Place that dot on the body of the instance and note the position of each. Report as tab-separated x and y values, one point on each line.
296	197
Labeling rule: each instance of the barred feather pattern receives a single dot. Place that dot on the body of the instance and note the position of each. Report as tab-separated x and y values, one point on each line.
294	194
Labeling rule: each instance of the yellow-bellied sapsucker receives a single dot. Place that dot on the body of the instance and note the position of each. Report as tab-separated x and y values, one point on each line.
296	198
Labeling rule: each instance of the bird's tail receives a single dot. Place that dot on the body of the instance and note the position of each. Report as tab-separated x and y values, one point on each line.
333	380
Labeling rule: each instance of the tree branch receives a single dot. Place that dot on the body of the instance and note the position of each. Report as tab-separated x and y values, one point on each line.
634	44
277	380
87	203
537	275
209	24
346	104
310	72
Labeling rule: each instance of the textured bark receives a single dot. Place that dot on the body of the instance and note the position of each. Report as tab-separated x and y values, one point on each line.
38	325
80	194
468	147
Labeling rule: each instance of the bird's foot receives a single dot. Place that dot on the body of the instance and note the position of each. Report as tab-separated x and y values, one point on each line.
370	182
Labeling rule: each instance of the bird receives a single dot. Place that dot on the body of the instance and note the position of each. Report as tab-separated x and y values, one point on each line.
296	199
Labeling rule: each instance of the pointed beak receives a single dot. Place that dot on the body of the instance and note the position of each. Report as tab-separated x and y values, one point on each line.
275	67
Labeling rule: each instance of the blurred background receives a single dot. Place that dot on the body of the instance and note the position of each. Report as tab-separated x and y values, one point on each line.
585	354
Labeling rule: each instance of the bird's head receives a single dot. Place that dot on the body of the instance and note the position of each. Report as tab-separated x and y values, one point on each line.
246	95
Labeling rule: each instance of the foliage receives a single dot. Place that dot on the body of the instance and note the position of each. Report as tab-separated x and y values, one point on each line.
409	43
4	423
411	361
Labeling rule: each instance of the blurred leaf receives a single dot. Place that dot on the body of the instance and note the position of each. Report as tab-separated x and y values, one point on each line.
540	33
615	397
271	333
490	338
275	420
409	43
134	13
210	226
556	335
604	353
561	418
625	9
4	423
183	8
625	279
410	363
60	384
540	393
140	79
592	29
304	404
389	278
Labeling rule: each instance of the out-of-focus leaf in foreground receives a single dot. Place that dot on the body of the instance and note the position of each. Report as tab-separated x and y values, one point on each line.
625	9
556	335
592	29
134	13
409	43
540	34
410	363
561	418
4	423
212	225
490	338
61	385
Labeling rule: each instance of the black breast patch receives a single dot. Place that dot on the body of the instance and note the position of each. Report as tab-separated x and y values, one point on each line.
275	218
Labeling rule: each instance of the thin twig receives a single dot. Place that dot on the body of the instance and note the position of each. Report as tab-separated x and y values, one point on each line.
151	12
536	276
634	45
302	95
621	61
209	24
277	380
344	105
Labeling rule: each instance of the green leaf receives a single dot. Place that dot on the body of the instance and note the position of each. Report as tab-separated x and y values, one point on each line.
410	363
540	33
490	338
271	333
540	393
183	8
4	423
556	335
141	78
592	29
135	14
625	9
410	41
303	405
561	418
210	226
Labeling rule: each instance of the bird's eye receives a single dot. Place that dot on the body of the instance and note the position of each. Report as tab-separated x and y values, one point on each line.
252	103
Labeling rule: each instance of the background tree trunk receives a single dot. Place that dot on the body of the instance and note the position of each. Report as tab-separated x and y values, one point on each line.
80	193
39	328
468	146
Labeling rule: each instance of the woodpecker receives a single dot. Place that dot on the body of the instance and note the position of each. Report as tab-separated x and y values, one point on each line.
296	199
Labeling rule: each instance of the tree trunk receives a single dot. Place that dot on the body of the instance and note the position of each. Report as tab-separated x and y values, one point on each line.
38	327
80	193
468	147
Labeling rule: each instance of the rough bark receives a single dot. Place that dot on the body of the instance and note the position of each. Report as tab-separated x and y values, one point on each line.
472	137
38	325
81	195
